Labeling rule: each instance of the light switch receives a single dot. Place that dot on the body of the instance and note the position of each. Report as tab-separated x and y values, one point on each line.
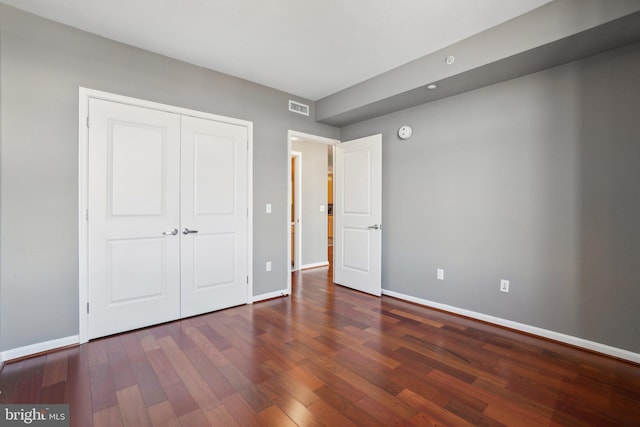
321	208
268	208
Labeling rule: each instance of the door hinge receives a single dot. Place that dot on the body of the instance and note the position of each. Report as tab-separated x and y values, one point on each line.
87	121
87	308
247	280
86	214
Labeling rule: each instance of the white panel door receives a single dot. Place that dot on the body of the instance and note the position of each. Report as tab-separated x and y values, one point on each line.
133	200
214	214
358	214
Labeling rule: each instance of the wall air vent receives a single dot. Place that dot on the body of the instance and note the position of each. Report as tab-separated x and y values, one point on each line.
299	108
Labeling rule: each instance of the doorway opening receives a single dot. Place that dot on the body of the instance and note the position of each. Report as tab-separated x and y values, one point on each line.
309	223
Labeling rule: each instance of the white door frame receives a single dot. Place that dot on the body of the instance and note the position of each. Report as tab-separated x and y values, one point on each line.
83	177
307	137
297	209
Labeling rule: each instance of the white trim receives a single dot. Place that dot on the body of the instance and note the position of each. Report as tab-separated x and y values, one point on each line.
84	94
28	350
534	330
307	137
250	213
271	295
297	246
314	265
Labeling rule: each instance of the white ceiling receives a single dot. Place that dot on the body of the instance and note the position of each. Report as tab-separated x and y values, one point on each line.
309	48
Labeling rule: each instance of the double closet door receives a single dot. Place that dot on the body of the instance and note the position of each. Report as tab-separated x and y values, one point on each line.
167	217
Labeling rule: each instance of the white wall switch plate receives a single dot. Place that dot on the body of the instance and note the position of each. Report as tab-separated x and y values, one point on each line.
440	274
504	286
268	208
321	208
267	266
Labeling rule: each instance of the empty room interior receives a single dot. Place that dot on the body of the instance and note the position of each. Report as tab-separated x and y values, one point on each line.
320	213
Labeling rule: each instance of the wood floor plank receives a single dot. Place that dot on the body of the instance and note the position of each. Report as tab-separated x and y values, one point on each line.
330	415
220	417
327	355
163	415
192	380
347	407
108	417
103	390
195	418
96	353
274	417
377	374
247	363
120	369
54	393
180	399
241	411
132	407
434	413
291	405
148	382
133	348
210	373
208	348
79	386
55	370
162	367
376	396
499	407
303	394
147	340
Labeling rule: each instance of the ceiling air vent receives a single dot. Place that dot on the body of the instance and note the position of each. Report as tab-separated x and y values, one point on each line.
299	108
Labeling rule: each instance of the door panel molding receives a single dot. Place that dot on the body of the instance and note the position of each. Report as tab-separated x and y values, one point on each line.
85	95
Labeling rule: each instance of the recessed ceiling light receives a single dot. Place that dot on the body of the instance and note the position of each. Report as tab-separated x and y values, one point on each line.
432	86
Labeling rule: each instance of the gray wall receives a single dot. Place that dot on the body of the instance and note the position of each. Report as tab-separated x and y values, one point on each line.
535	180
315	168
42	65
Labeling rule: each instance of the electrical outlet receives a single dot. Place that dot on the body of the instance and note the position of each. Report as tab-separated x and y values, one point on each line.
321	208
504	286
267	266
440	274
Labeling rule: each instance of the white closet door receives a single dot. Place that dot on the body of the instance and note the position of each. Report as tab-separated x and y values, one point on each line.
214	216
134	195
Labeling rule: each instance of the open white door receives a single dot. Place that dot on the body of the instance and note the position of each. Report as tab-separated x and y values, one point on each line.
357	214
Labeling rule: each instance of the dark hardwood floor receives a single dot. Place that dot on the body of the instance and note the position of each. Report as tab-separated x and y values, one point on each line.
328	356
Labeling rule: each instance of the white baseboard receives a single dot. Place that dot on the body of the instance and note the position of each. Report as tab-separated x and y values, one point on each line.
270	295
28	350
314	265
545	333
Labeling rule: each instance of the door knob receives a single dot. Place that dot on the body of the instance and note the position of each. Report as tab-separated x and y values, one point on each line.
170	233
374	226
187	231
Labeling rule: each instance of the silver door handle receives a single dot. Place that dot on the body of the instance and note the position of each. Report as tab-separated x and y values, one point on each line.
170	233
187	231
374	226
